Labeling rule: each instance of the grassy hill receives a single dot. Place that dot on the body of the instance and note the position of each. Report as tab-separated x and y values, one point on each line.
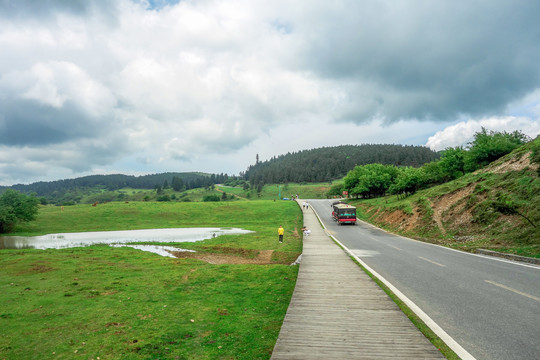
495	208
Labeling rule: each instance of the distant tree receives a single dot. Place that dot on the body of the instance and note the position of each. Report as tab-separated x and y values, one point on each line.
178	184
159	190
16	207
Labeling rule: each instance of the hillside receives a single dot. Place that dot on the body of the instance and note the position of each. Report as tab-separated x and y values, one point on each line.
496	208
331	163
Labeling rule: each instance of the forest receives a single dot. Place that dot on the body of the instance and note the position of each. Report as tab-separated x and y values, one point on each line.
331	163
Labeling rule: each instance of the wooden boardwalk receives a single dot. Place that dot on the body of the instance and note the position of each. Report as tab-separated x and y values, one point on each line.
338	312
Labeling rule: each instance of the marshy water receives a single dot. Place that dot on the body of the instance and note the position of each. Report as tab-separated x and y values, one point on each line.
118	238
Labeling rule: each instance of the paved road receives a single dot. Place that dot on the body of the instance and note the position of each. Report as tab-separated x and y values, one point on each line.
491	307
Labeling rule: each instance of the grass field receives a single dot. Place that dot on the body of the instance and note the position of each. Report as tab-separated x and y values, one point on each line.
121	303
273	191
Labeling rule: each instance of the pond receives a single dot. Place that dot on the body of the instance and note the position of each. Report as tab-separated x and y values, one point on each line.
69	240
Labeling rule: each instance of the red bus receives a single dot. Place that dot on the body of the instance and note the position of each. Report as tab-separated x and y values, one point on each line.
344	213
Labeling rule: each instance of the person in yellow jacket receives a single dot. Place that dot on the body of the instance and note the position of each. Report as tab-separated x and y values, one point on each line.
280	232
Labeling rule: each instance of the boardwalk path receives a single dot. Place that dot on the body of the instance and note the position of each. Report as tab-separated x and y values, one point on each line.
338	312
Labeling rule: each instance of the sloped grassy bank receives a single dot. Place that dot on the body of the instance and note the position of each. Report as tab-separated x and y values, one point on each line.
496	208
121	303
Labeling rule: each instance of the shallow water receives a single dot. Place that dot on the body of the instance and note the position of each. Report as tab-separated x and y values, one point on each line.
160	250
69	240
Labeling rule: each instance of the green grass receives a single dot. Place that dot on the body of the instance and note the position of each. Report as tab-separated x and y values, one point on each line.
121	303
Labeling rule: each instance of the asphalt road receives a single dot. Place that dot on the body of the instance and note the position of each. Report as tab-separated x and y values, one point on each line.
491	307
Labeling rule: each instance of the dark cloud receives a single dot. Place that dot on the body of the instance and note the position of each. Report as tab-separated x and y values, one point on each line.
44	9
428	59
28	123
16	8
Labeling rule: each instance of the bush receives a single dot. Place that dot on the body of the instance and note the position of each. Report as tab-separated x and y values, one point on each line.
489	146
208	198
335	190
16	207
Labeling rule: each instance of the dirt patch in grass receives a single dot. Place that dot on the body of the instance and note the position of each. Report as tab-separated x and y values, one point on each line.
262	257
37	268
450	209
514	164
398	219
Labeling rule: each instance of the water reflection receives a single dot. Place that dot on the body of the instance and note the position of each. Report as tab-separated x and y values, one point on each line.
69	240
160	250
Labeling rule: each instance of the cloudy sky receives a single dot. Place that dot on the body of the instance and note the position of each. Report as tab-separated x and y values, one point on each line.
138	87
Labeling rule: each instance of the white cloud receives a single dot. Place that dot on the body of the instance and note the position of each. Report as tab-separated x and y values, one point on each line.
56	82
463	132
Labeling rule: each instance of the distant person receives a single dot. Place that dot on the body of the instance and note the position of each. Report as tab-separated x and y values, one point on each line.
280	232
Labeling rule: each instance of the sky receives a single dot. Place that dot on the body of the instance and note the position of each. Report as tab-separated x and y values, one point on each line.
139	87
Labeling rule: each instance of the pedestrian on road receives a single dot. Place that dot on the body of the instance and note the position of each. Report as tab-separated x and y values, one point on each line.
280	232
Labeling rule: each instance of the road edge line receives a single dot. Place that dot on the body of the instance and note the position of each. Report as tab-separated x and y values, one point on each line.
443	335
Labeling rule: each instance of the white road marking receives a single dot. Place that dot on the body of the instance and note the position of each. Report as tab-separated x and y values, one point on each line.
431	261
365	253
513	290
395	247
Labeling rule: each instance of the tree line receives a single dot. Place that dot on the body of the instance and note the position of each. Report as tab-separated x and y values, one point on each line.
374	180
70	191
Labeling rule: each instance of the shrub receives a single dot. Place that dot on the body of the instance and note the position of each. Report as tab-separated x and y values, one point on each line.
16	207
208	198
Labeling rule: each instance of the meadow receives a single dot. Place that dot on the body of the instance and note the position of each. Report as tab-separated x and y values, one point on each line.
273	191
121	303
